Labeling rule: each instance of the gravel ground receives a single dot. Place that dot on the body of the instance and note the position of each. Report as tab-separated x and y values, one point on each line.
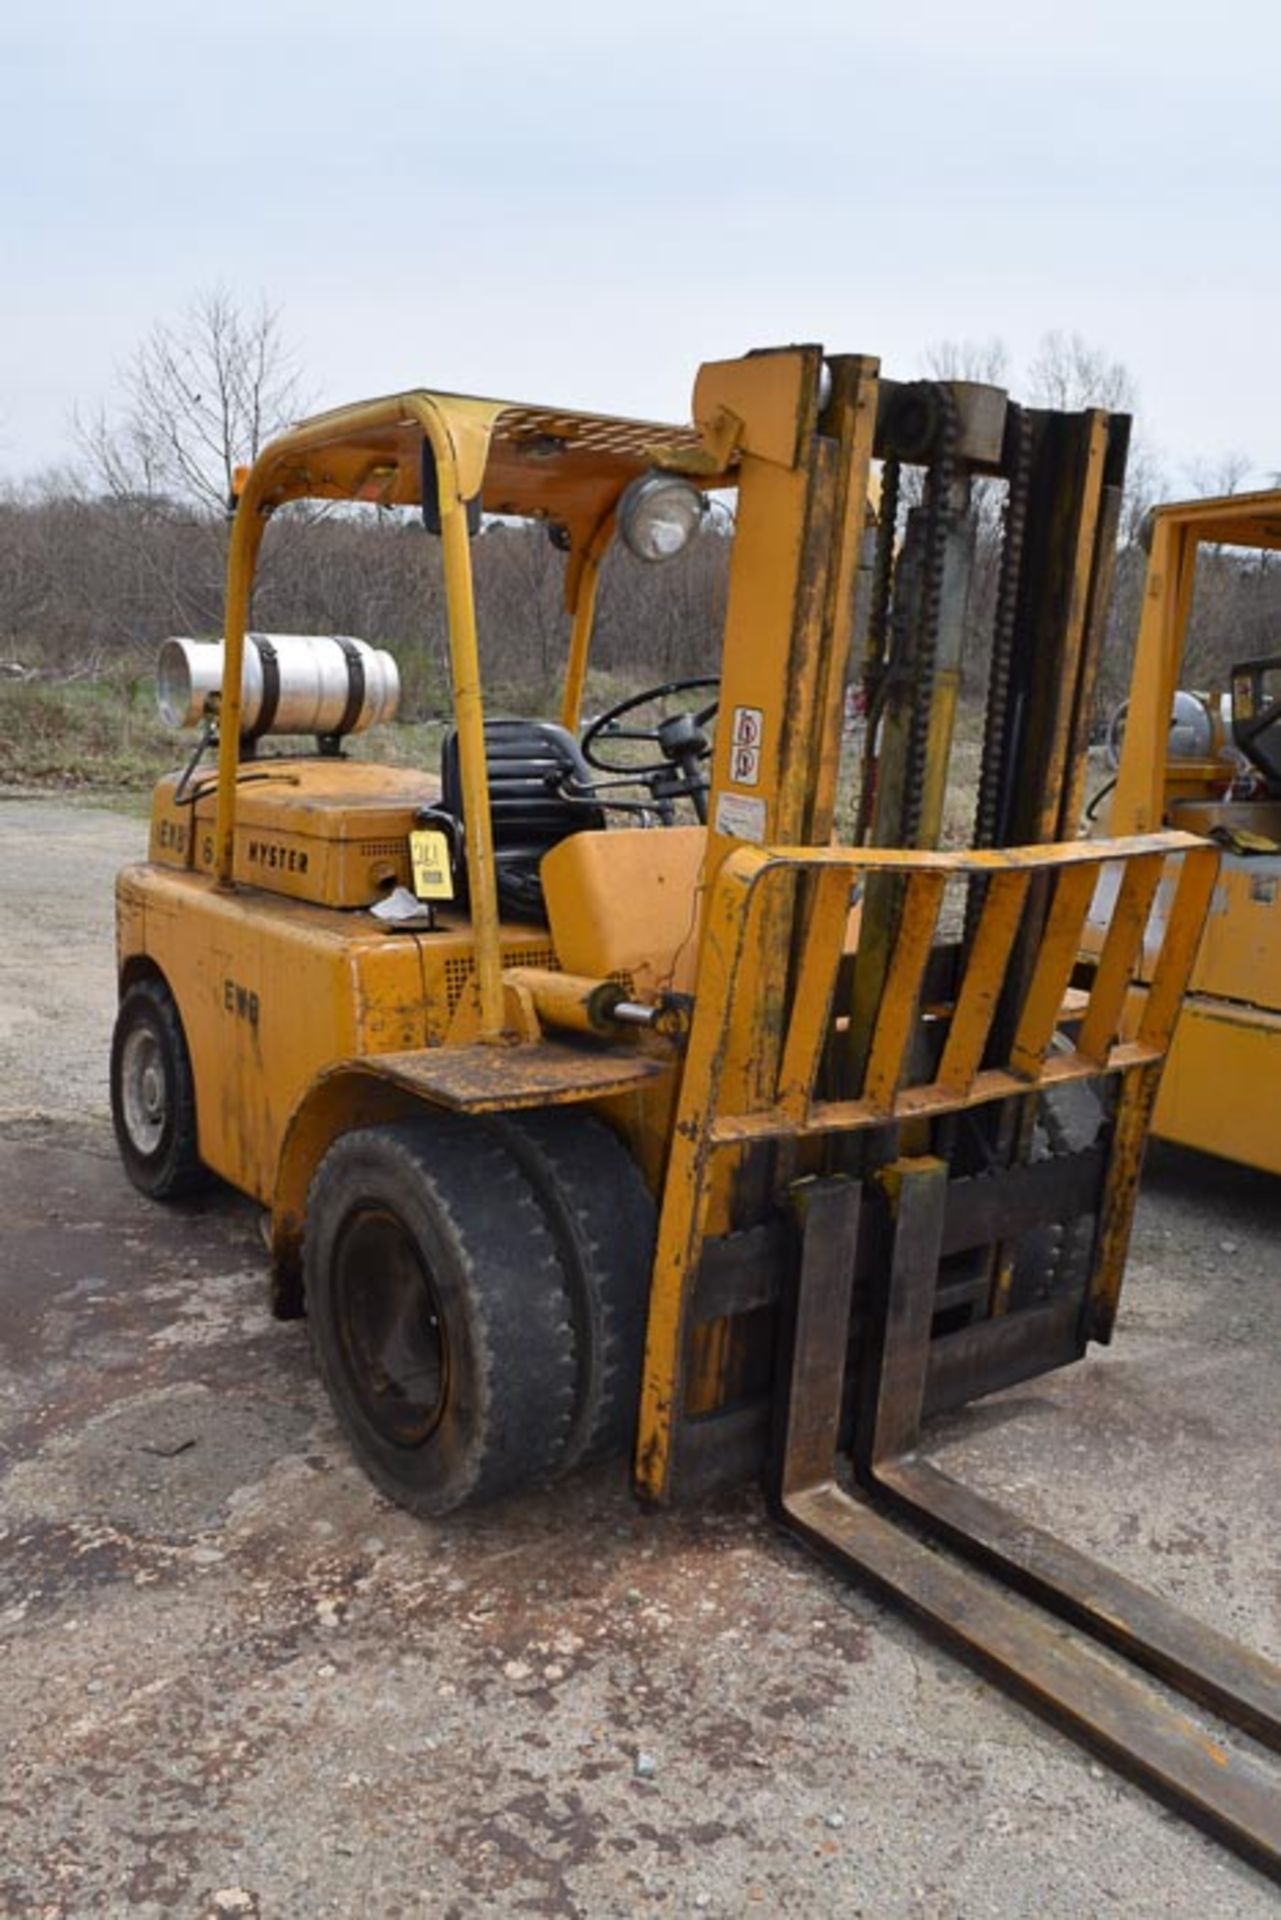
235	1680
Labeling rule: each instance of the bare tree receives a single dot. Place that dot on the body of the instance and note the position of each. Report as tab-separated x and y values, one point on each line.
1234	610
1067	372
1213	479
201	397
987	361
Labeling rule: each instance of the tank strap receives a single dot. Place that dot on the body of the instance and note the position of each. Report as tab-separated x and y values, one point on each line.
269	660
355	683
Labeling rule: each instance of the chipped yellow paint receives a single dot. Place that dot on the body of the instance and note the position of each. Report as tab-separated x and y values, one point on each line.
1220	1092
980	992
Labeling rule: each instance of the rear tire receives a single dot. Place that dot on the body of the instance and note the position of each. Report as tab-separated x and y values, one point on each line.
439	1313
603	1218
153	1094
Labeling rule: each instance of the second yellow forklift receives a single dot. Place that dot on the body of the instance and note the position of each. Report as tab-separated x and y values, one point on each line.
1216	773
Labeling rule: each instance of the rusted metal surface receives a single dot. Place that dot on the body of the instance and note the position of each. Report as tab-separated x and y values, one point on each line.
1071	562
997	929
1062	1677
1109	1709
1060	943
812	1348
723	1449
752	1070
484	1079
1206	1666
825	923
1011	1202
850	419
1107	544
1129	1138
1116	1716
740	1272
743	1271
917	1191
1119	958
1002	1350
922	1102
896	1015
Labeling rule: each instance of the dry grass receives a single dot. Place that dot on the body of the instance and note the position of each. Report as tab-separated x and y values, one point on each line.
99	736
103	738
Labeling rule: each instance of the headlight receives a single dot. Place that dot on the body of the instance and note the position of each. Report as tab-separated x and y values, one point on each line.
658	516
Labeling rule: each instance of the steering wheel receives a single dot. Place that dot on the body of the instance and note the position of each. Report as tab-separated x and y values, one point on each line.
679	738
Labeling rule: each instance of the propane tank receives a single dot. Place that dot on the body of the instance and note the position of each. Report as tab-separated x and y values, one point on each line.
1200	726
1200	729
326	684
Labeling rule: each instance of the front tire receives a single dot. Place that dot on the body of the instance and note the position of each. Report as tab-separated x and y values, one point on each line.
153	1094
603	1219
439	1313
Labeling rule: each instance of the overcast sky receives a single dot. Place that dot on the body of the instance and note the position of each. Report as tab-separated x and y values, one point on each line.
576	203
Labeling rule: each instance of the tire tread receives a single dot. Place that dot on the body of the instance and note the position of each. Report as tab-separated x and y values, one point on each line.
603	1217
493	1224
180	1172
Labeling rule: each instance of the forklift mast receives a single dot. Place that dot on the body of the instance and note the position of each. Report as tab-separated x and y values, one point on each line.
904	1163
823	1007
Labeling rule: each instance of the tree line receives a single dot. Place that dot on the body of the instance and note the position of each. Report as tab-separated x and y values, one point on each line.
89	586
100	561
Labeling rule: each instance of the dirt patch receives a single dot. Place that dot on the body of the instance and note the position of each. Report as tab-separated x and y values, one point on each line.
235	1680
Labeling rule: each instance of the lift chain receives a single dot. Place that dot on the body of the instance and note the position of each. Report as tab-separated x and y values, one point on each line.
875	662
938	492
996	720
883	573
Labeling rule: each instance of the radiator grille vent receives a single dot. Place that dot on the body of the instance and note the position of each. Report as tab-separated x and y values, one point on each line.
460	967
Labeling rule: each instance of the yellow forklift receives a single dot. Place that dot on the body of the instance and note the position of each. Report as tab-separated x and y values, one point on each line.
602	1097
1211	763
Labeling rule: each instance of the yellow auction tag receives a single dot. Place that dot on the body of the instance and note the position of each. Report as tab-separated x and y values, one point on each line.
429	853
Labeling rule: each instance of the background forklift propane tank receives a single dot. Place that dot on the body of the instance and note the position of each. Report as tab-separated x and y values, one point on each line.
666	1119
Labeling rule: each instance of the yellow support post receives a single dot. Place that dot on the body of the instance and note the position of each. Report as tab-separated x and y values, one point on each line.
246	538
580	639
469	719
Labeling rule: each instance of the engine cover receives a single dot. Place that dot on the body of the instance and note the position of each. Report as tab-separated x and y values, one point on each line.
333	832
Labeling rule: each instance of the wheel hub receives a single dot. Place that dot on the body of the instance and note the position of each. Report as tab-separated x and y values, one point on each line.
391	1337
145	1097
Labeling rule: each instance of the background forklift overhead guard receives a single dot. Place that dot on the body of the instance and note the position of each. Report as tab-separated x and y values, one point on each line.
1210	763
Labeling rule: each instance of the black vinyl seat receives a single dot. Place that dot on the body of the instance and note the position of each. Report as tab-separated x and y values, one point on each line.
529	762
